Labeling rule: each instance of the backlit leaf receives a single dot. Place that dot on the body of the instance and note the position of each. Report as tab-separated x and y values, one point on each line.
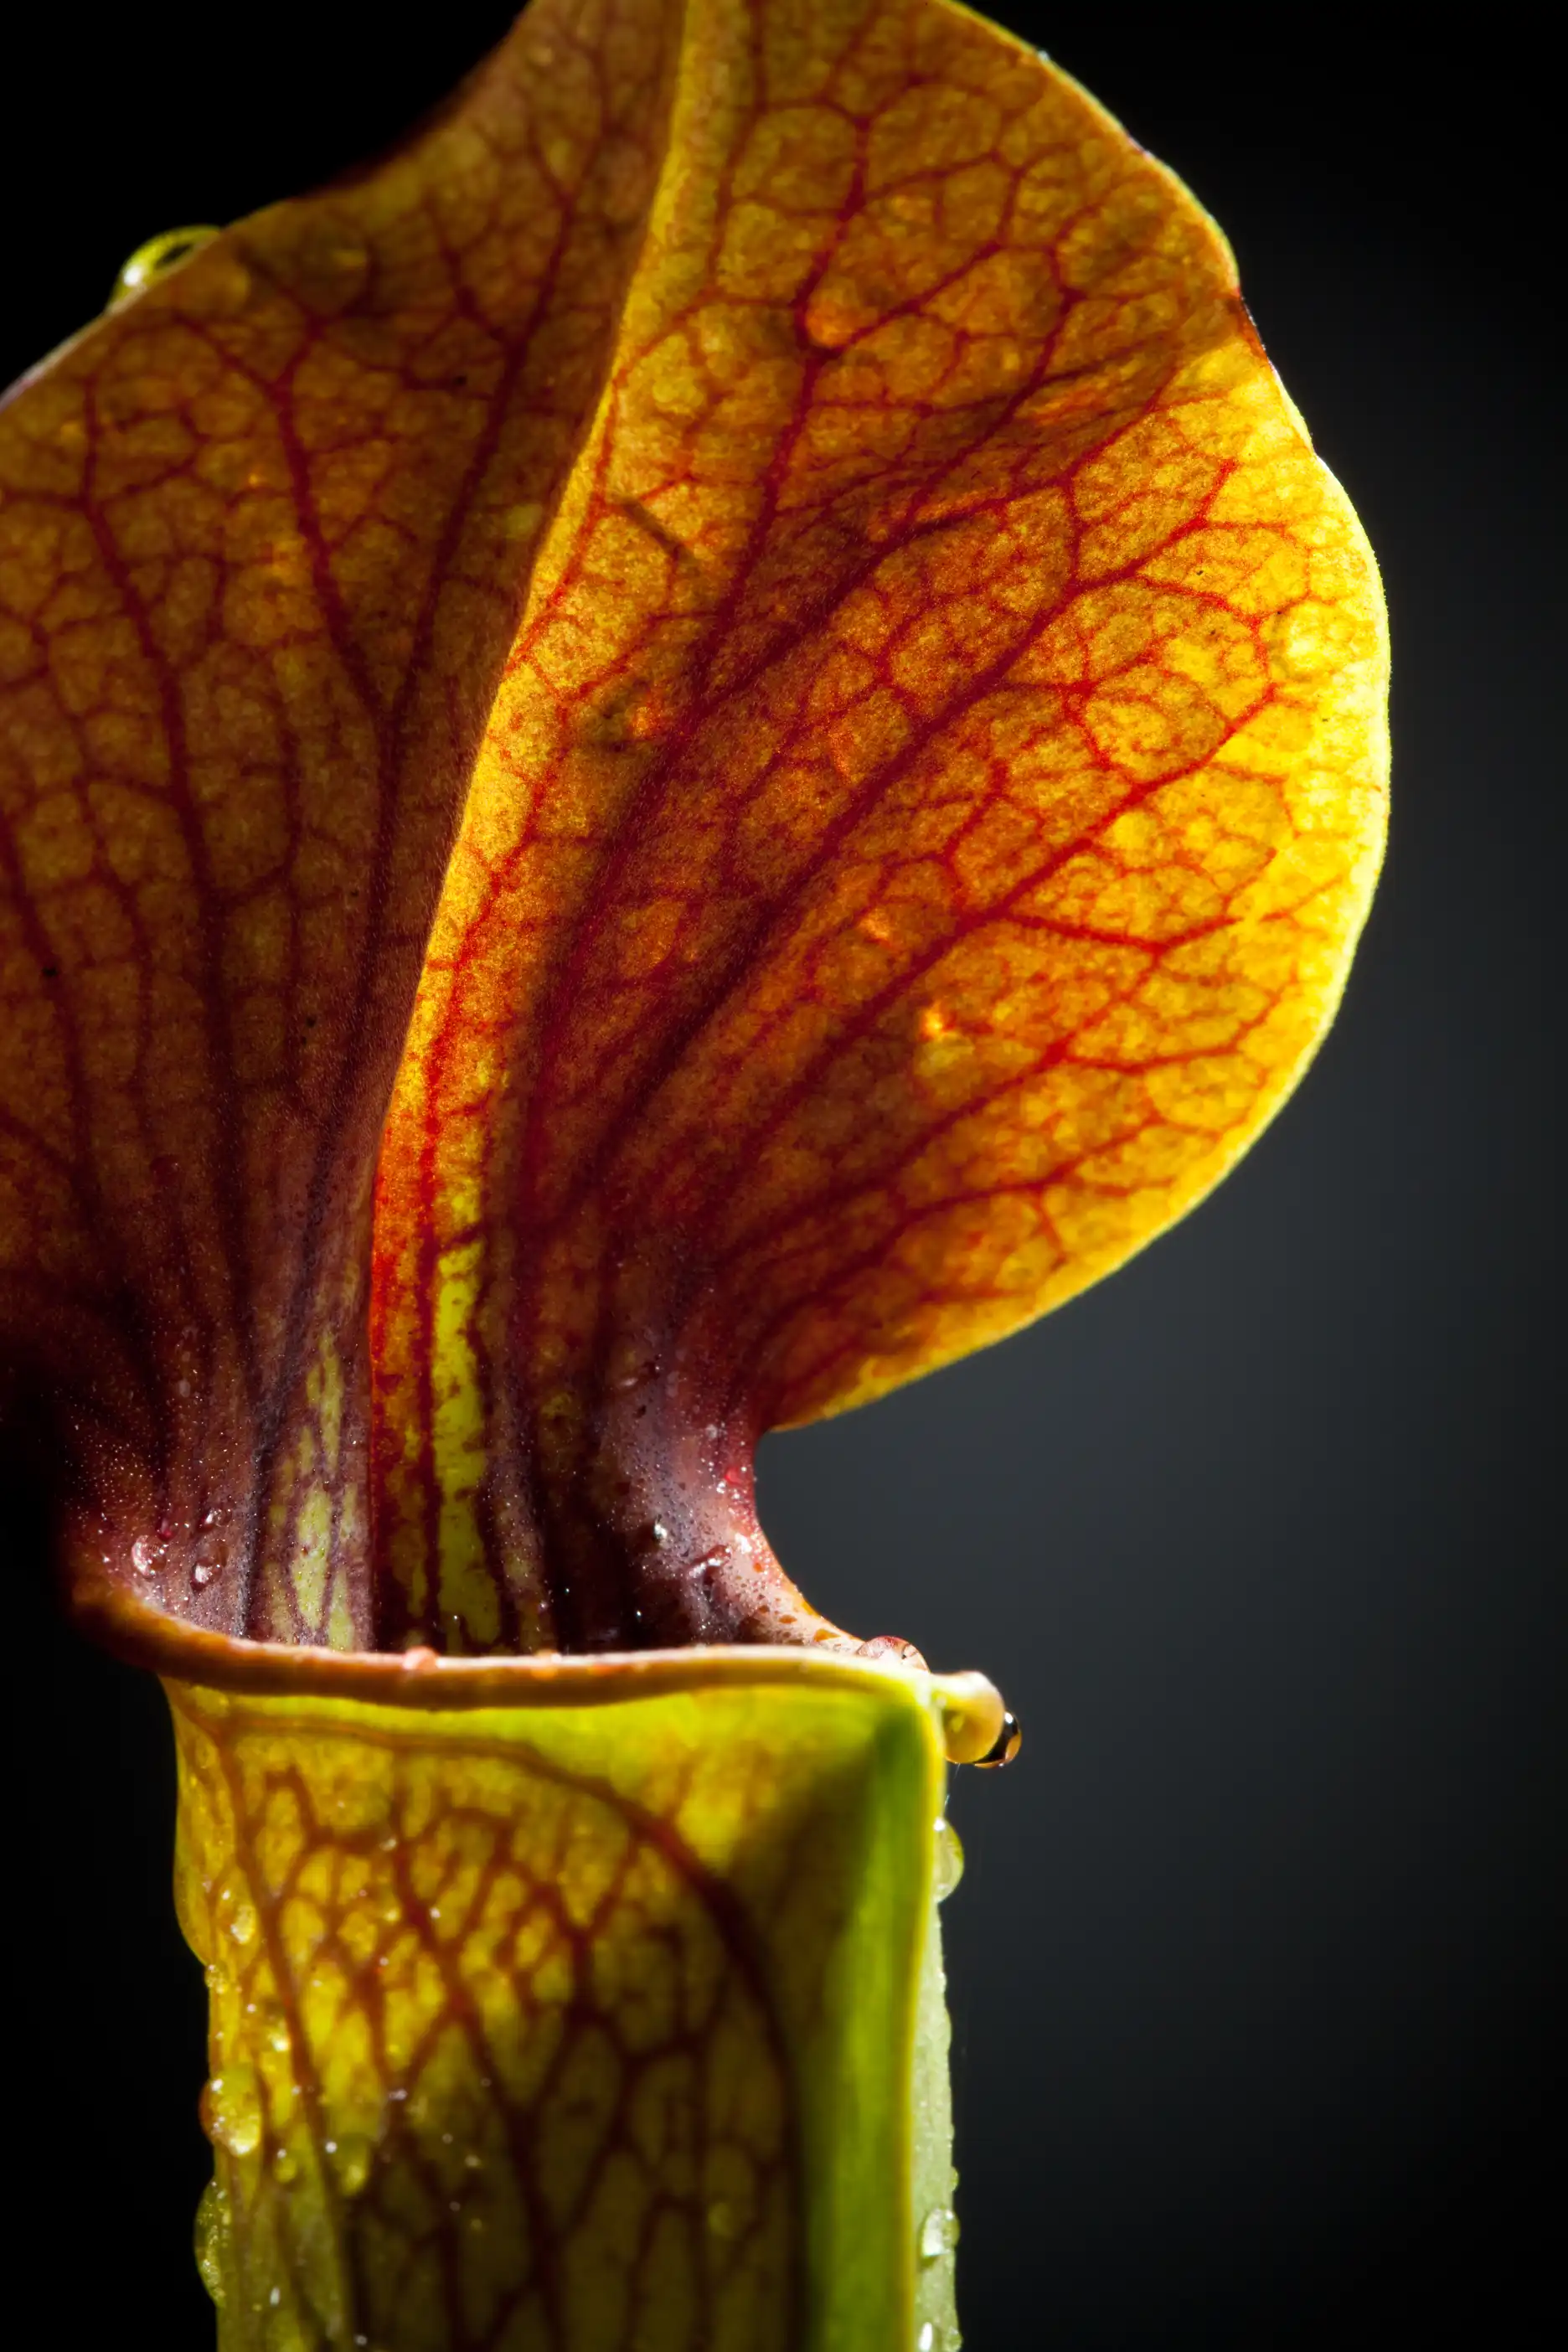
584	2021
692	746
741	644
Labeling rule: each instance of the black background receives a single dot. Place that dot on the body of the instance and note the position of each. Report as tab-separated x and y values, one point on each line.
1258	1964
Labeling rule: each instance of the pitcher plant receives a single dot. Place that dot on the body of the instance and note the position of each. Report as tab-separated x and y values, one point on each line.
698	742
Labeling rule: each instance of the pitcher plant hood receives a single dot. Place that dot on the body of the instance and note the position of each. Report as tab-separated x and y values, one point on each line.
697	743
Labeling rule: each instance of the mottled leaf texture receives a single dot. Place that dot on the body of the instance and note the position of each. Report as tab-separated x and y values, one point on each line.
694	746
574	2026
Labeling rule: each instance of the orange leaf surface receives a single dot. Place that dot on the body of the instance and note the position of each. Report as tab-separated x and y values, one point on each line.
698	744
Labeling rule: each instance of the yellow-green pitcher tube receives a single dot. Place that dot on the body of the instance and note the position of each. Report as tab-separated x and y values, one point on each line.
569	2008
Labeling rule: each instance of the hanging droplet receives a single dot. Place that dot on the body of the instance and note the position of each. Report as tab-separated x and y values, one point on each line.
938	2233
947	1865
157	257
1009	1739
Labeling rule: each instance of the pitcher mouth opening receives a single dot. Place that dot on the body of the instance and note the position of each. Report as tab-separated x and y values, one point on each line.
976	1725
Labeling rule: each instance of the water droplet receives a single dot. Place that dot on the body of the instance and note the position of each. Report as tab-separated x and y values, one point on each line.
212	1553
329	263
926	2338
938	2233
895	1649
212	2230
157	257
353	2157
231	2111
146	1556
276	2297
285	2167
947	1865
660	1532
724	2222
1009	1739
242	1927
